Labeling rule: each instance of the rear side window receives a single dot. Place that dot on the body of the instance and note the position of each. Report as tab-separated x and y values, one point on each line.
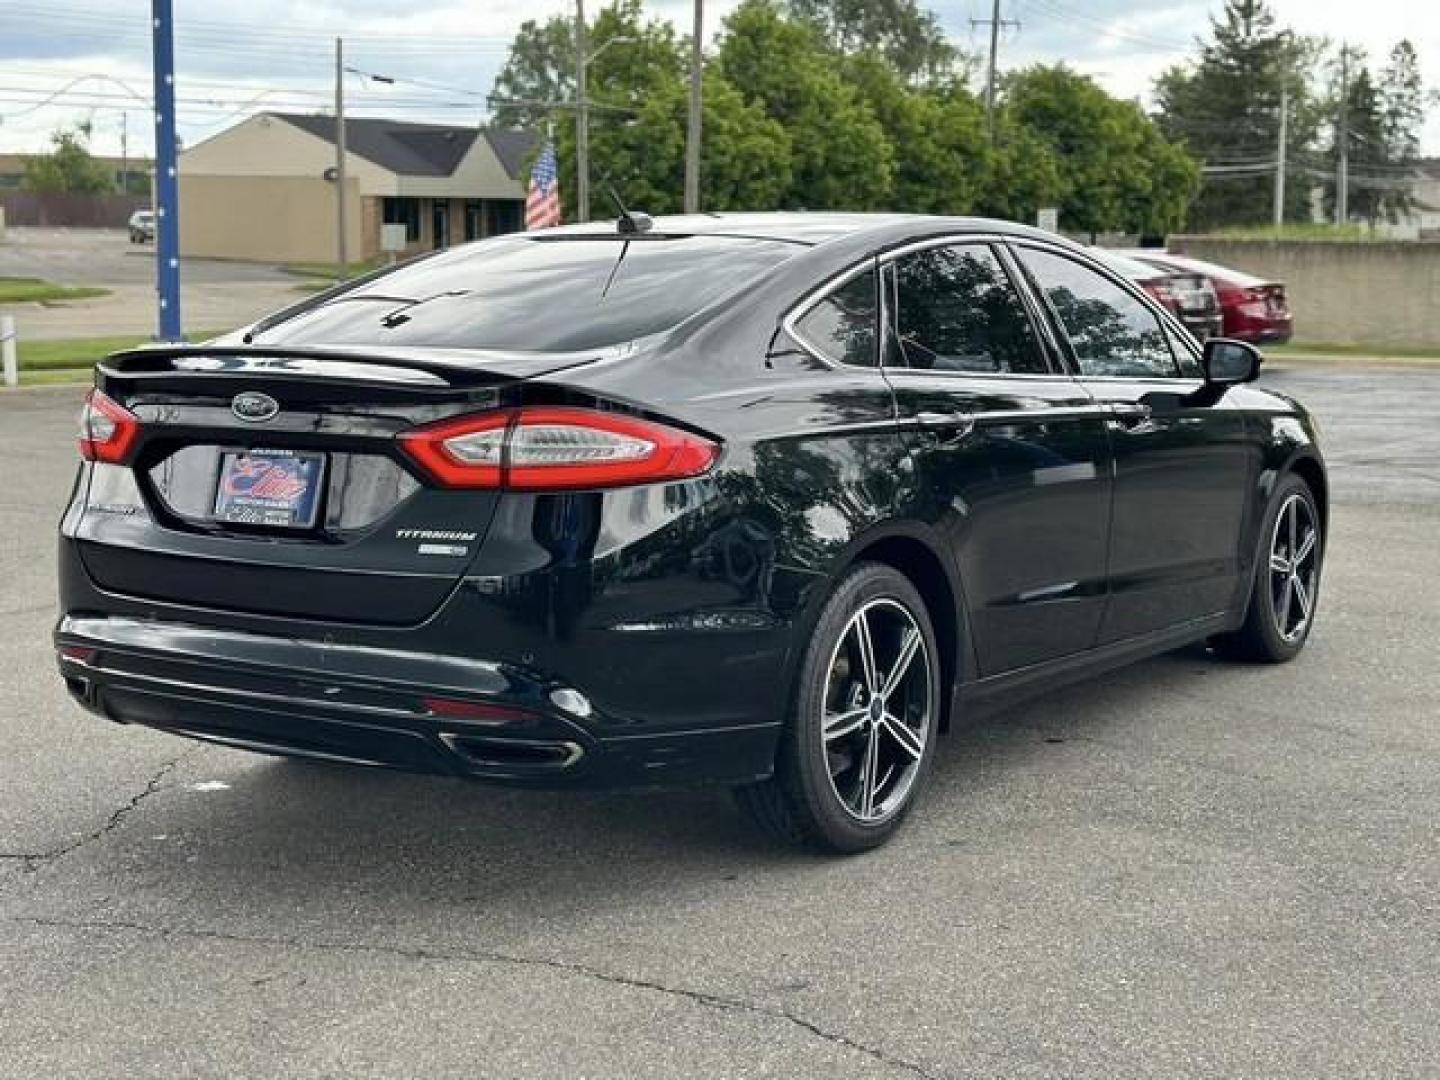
956	310
529	295
842	325
1111	332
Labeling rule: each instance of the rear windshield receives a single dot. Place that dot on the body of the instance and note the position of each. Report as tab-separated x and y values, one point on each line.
527	294
1130	268
1185	264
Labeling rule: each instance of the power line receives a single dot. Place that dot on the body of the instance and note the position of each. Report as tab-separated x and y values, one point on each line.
1067	14
996	24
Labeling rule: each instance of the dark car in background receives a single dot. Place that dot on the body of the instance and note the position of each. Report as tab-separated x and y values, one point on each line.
1254	309
763	500
1187	295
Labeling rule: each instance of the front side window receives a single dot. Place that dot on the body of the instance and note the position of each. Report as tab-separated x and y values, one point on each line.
956	310
1111	332
841	325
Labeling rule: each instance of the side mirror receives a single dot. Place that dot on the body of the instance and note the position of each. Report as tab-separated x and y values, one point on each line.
1228	361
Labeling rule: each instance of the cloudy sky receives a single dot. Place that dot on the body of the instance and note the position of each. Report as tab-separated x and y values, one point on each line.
68	60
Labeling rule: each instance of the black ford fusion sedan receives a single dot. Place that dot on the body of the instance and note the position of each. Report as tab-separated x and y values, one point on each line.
762	500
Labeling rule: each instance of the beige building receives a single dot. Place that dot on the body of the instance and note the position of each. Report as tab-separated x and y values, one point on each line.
265	189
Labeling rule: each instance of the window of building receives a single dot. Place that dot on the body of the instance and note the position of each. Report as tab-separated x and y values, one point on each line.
504	216
395	210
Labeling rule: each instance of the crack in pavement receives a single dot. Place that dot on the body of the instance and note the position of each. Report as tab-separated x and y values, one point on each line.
701	998
33	862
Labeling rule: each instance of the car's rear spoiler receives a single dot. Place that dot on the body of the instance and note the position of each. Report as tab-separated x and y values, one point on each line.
435	367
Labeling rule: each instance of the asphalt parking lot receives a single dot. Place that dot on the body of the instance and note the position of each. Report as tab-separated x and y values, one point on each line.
217	294
1188	868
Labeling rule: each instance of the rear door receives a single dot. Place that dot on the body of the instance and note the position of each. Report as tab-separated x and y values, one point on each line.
1181	462
1011	453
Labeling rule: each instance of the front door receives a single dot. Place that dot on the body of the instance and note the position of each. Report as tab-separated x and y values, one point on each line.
1180	450
440	223
1011	453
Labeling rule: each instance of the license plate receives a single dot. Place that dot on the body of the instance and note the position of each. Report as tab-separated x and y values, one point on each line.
274	488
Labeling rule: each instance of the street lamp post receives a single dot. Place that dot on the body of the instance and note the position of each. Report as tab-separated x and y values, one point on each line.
583	59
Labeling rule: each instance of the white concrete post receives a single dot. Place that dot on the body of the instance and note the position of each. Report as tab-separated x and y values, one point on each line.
7	350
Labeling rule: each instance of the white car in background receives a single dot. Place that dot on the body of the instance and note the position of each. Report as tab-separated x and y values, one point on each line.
142	226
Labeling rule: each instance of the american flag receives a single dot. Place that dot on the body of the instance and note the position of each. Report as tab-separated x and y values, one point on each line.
542	201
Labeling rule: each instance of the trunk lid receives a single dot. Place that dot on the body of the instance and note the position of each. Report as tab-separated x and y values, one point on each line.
1194	294
302	506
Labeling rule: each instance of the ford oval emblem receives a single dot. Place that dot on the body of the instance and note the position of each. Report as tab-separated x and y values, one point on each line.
254	407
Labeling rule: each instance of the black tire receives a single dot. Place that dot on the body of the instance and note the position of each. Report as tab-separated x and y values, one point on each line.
803	802
1272	633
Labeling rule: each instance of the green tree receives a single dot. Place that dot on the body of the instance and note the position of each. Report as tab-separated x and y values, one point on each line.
1356	98
1022	174
538	74
909	38
639	93
745	156
937	137
840	155
1382	121
1402	103
1118	171
69	166
1225	107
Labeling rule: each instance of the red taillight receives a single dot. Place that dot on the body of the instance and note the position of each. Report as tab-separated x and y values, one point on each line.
1162	292
466	452
555	448
107	430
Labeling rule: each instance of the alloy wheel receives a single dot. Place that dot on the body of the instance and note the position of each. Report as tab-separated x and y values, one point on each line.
1294	567
878	705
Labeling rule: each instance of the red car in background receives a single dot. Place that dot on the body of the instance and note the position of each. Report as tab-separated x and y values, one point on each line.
1253	309
1185	294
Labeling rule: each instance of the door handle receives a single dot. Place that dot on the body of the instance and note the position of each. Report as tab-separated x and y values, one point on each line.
1130	414
946	428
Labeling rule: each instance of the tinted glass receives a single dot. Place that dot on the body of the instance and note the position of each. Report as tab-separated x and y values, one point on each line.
956	310
1111	331
1185	355
538	295
842	325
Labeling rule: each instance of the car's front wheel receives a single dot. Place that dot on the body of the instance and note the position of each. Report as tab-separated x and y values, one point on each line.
859	741
1286	588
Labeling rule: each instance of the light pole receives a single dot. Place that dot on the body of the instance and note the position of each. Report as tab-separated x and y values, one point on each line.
167	201
583	59
692	133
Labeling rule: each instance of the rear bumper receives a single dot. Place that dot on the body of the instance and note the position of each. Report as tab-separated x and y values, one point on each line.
436	714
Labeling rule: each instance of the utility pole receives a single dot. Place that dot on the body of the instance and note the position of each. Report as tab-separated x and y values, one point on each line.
1342	142
342	247
582	118
1280	158
995	23
692	134
124	152
167	203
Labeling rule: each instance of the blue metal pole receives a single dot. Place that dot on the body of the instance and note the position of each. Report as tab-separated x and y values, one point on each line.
167	202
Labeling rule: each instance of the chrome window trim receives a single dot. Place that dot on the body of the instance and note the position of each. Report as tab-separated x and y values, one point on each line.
1084	258
1049	348
789	322
877	261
